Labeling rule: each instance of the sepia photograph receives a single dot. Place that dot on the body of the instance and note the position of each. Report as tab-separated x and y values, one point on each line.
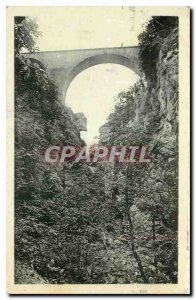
98	136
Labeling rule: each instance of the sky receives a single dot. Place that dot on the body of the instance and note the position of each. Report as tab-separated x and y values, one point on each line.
93	90
89	27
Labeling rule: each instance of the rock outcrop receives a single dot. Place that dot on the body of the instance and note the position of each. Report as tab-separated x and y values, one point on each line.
79	119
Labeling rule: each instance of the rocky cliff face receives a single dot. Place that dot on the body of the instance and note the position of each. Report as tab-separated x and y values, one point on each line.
166	93
158	101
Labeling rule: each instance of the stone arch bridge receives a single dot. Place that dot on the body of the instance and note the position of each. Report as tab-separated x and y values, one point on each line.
63	66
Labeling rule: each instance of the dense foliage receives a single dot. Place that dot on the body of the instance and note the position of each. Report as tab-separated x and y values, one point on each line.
151	40
146	195
89	224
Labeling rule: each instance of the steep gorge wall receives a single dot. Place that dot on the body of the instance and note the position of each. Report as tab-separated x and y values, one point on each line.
164	94
156	105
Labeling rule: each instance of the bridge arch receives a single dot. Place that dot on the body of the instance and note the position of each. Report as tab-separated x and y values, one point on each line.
96	60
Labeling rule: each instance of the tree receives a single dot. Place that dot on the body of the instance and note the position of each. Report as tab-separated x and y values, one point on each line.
26	34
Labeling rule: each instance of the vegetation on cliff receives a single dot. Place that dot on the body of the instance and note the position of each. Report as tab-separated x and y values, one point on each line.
151	41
